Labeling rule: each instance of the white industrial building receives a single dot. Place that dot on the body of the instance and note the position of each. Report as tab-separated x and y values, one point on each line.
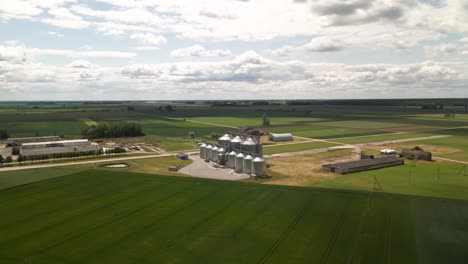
280	137
55	147
19	141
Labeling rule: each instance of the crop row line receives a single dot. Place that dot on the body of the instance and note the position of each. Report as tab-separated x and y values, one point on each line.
145	228
336	232
283	236
120	217
197	225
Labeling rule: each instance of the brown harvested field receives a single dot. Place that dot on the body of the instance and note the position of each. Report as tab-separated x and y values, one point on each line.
307	169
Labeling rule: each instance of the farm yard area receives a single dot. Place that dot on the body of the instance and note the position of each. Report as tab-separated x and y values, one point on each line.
158	219
132	208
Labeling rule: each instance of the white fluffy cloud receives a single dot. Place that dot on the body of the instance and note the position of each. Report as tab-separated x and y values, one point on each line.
200	51
141	28
149	39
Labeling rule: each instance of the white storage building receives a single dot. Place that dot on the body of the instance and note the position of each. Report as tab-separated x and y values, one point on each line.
55	147
280	137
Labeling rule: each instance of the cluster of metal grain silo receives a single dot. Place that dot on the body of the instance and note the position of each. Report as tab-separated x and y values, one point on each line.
236	151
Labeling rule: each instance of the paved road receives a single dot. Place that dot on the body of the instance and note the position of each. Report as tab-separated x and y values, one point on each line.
72	163
201	169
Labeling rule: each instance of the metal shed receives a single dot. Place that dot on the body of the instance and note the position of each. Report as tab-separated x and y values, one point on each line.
280	137
416	154
363	165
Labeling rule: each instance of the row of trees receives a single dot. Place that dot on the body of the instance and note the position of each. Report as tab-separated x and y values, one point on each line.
22	158
5	160
113	130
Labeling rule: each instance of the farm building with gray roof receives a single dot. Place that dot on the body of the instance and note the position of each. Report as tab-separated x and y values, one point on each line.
363	165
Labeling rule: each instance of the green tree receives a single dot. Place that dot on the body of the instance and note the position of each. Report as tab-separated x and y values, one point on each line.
169	108
418	148
265	120
8	159
4	134
20	159
1	159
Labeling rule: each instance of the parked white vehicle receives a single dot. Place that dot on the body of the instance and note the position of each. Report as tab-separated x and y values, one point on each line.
388	151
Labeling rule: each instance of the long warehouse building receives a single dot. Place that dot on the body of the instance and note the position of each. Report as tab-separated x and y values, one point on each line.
55	147
363	165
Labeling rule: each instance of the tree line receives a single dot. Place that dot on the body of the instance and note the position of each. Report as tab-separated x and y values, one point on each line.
113	130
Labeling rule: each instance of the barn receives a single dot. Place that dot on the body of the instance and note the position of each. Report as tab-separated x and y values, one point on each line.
416	154
363	165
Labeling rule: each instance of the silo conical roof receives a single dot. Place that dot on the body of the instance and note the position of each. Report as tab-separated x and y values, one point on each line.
225	137
237	139
249	141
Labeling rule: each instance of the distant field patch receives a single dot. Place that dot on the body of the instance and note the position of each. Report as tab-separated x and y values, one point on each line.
268	150
89	122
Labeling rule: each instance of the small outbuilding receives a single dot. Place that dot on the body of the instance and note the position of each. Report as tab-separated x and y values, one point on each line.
280	137
416	154
363	165
183	156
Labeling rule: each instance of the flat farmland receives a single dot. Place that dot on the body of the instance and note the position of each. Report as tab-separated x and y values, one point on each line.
436	179
111	217
268	150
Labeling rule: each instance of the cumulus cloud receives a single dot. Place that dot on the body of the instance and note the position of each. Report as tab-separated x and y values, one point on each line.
348	12
63	17
248	75
200	51
149	39
447	49
317	44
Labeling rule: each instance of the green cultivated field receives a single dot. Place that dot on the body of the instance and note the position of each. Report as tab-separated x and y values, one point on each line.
114	217
313	121
295	147
436	179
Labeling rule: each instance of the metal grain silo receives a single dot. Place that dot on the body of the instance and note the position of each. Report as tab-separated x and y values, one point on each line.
208	152
249	146
236	143
259	167
247	164
231	159
239	165
214	154
203	151
224	140
221	156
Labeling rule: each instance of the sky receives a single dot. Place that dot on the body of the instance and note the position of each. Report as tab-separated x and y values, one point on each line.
232	49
